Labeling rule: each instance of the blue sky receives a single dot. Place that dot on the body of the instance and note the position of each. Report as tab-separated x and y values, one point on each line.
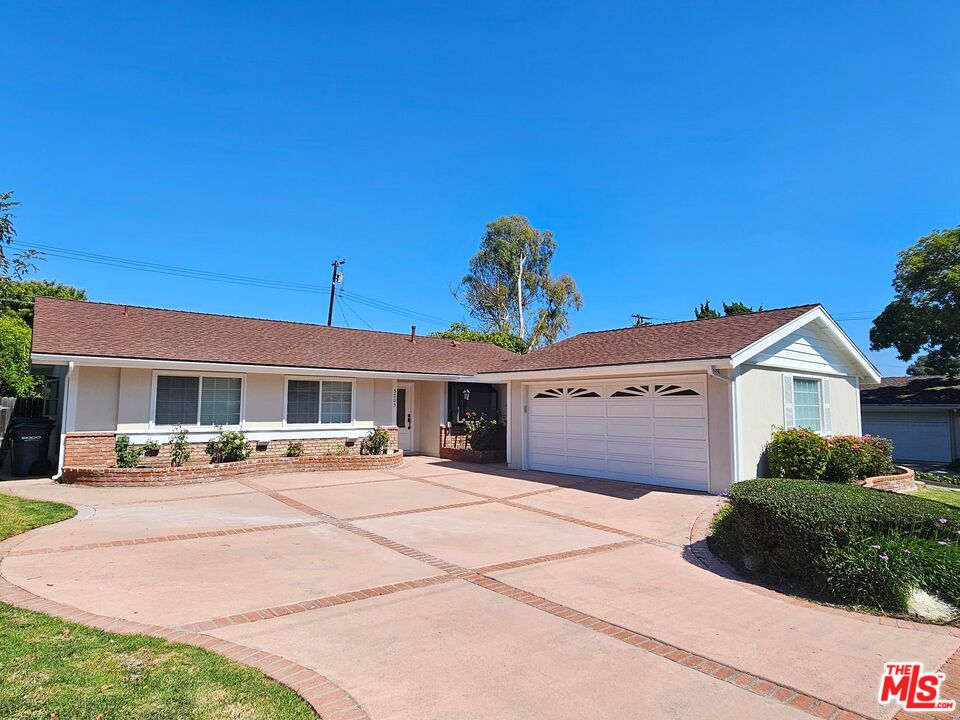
776	153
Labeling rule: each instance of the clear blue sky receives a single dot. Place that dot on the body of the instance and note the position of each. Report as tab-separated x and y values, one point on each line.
776	153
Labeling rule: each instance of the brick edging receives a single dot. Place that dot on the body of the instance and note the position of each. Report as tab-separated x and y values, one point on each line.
903	482
329	700
700	550
254	467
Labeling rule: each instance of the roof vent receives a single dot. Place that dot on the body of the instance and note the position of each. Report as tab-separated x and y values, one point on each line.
413	333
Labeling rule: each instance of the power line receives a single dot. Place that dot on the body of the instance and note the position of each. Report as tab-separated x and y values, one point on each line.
191	273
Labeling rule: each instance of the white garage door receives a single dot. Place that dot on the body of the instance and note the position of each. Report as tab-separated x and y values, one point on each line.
640	430
915	435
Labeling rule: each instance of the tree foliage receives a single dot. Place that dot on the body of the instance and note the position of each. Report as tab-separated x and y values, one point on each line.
925	314
705	312
461	331
18	264
510	277
15	377
922	366
16	296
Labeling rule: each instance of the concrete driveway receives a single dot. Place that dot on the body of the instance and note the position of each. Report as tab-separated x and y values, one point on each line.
438	590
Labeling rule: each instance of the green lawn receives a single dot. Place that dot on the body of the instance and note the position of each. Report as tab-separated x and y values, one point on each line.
950	497
54	670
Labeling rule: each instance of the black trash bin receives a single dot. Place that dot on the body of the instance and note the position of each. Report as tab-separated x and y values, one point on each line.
29	445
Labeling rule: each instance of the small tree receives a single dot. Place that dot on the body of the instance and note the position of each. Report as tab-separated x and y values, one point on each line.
922	365
20	263
705	312
15	377
925	314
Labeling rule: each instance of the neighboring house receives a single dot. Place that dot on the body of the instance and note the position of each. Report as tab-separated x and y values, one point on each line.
687	405
920	414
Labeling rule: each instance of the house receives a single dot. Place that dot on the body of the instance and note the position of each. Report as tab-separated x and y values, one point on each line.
920	414
687	405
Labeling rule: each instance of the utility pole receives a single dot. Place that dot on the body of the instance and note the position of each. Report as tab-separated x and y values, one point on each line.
337	278
641	320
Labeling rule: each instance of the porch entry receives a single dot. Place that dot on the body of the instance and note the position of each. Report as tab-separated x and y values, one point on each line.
405	417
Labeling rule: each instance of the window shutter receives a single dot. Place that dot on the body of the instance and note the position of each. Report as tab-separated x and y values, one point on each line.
788	418
825	399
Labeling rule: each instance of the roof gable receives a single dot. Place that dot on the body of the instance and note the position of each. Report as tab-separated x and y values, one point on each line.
78	328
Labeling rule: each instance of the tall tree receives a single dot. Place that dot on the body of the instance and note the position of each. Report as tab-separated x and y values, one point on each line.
924	316
510	278
15	377
18	264
705	312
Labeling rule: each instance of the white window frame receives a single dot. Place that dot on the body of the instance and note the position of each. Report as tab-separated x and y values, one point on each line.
200	376
319	424
824	431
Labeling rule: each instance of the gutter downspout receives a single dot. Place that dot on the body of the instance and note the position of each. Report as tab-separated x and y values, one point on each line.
63	421
734	439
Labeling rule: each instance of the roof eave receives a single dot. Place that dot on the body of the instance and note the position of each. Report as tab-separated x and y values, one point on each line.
159	364
608	370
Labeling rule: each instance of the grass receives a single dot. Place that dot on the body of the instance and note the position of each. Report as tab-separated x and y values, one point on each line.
948	497
17	515
55	670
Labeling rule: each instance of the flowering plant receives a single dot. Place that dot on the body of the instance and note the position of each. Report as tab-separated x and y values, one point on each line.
228	446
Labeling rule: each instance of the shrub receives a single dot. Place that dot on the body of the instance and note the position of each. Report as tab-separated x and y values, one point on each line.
846	459
151	447
179	447
376	443
796	453
833	537
340	450
294	448
127	456
228	446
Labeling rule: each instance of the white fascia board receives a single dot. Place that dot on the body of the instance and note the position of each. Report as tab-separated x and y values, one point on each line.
94	360
868	372
606	370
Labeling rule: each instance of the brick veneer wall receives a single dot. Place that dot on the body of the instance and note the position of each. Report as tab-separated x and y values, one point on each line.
902	482
189	474
96	449
473	456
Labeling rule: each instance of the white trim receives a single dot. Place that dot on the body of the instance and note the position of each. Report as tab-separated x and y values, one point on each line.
138	437
69	398
868	370
605	371
509	420
151	423
820	380
319	424
524	418
856	385
227	368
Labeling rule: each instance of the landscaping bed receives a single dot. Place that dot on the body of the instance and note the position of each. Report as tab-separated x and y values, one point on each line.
56	669
253	467
847	543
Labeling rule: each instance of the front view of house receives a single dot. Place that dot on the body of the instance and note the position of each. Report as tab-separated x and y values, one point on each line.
687	405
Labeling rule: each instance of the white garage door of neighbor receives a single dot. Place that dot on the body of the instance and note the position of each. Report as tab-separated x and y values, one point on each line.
915	435
650	431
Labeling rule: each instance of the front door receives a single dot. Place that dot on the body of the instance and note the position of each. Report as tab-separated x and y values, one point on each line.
405	416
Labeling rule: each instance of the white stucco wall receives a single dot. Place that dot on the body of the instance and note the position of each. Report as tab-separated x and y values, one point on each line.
98	392
761	411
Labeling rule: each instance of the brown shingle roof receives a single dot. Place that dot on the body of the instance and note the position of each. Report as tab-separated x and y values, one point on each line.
689	340
912	390
70	327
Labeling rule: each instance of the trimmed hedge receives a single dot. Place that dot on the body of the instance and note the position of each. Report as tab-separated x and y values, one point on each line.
860	545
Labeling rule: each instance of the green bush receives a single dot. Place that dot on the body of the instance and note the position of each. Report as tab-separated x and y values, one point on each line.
376	443
833	537
796	453
801	453
151	447
294	448
127	456
228	446
179	447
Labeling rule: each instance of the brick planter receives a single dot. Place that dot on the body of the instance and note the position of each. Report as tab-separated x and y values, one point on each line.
902	482
473	456
253	467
